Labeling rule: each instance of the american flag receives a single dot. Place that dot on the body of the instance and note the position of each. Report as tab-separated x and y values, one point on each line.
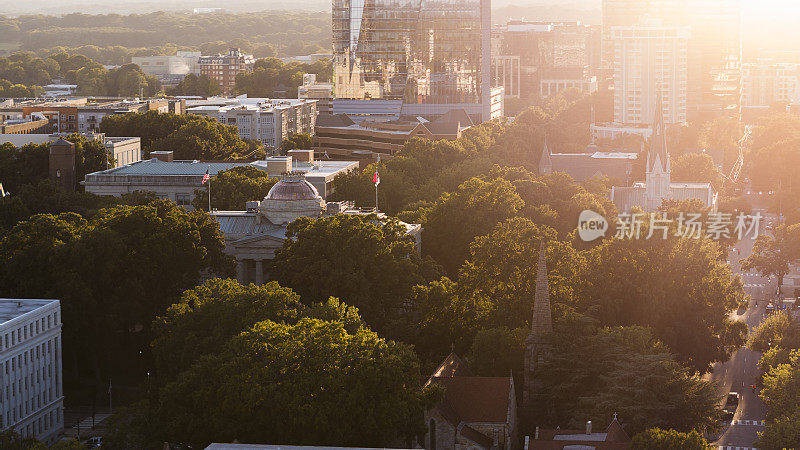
205	177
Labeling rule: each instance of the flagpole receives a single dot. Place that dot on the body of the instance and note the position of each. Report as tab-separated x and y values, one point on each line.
209	189
376	197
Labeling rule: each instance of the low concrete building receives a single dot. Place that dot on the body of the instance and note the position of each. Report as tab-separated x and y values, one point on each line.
125	150
319	91
177	180
252	236
30	359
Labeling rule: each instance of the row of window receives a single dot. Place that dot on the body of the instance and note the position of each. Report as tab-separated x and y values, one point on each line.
43	424
32	329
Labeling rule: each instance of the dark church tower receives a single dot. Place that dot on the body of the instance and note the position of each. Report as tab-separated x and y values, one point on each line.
537	348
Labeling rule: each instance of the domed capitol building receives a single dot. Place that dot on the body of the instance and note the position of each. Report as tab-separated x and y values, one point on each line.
252	236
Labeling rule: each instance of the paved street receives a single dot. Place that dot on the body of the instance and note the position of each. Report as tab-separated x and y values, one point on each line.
740	372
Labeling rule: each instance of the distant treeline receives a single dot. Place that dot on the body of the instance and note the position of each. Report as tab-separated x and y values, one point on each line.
22	74
268	33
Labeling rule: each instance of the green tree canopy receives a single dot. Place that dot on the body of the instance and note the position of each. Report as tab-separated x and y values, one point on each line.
781	394
658	439
296	141
772	254
681	288
368	262
113	273
261	367
623	370
189	136
778	330
193	84
457	218
233	188
696	167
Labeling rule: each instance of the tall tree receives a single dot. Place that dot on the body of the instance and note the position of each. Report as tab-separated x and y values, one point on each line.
681	288
624	370
113	274
656	438
773	254
781	393
309	382
457	218
368	262
233	188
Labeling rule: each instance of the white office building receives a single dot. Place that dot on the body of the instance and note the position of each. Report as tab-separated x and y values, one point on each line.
169	69
32	400
649	60
267	120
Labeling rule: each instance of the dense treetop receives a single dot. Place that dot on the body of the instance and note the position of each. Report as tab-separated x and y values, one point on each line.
264	33
189	136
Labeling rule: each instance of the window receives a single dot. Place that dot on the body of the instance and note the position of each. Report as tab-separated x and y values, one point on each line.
183	199
432	434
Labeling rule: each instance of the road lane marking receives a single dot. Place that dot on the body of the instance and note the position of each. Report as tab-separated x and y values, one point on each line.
758	423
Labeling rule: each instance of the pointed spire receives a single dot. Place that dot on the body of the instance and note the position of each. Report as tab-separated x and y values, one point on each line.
657	157
542	322
545	161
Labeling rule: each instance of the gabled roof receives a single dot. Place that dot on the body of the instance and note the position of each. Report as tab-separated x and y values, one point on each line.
455	116
615	432
452	366
334	120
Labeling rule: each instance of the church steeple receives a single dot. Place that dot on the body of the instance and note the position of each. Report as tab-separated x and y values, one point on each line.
545	161
541	323
658	177
657	157
537	348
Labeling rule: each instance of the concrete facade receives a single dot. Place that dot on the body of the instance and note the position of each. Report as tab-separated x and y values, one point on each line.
650	62
178	180
267	120
31	396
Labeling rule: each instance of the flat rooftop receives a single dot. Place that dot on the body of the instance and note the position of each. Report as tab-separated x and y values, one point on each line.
11	308
217	446
186	167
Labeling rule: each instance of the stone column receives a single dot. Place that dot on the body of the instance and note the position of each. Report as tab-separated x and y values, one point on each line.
259	272
240	271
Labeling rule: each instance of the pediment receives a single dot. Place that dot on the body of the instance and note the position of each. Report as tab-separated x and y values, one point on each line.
258	241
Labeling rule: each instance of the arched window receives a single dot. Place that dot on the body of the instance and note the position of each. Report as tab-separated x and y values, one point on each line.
432	434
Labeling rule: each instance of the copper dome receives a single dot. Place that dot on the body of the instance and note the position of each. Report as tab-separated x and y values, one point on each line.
293	187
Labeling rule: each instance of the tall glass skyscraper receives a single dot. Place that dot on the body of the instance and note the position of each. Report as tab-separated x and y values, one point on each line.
421	52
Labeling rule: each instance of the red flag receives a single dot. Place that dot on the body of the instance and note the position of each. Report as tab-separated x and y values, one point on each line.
376	179
205	177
